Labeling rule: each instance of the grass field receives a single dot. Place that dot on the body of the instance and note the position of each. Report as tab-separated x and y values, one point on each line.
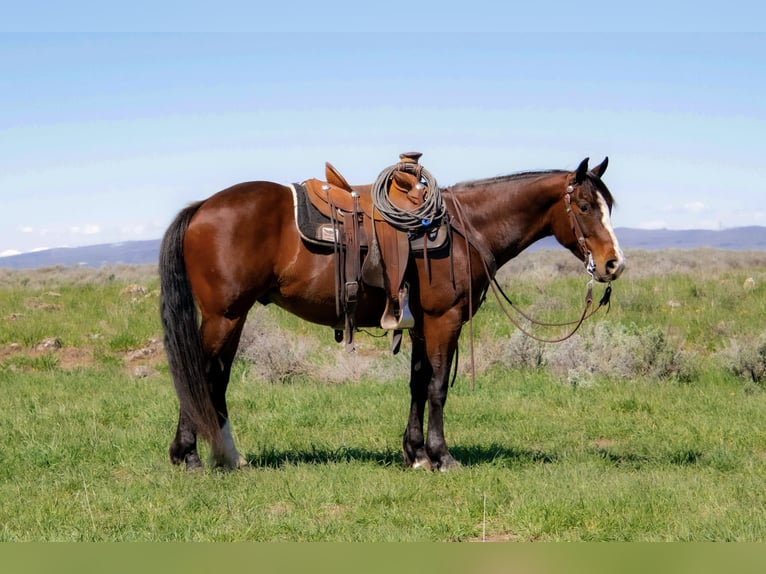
648	425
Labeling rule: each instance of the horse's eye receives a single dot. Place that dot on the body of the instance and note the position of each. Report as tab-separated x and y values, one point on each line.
584	207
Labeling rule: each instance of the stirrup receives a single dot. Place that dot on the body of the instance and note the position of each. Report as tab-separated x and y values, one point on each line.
389	321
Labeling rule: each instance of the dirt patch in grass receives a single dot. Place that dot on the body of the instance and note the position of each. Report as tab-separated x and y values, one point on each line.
72	358
140	363
602	442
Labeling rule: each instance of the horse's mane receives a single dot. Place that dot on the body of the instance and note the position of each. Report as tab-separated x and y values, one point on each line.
524	175
506	178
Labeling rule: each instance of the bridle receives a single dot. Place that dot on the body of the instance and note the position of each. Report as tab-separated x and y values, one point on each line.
590	265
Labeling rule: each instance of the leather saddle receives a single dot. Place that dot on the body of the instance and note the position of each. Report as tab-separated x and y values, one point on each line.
336	195
358	231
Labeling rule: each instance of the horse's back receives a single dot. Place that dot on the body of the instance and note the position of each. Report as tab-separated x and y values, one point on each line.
246	196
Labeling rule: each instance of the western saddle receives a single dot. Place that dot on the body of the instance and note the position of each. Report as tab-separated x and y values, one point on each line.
372	236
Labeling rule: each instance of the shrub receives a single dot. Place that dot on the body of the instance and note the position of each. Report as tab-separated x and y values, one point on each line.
520	351
616	351
746	358
274	354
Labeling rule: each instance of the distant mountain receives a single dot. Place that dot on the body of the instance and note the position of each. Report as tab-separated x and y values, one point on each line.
127	253
734	239
147	252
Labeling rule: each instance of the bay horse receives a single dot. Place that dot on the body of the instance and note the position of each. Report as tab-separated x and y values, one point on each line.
241	246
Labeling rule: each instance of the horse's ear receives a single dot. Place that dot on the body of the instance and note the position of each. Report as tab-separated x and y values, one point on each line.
582	171
599	170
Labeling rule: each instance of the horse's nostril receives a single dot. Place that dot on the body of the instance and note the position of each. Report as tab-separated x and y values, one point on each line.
614	266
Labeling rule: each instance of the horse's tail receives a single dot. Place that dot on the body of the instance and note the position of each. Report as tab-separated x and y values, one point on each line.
182	337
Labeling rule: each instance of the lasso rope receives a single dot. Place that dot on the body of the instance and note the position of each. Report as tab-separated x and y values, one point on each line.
428	214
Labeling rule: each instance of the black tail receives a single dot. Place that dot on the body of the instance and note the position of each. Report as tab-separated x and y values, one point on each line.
183	342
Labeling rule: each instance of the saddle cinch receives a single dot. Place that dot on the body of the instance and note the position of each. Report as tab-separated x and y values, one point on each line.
374	230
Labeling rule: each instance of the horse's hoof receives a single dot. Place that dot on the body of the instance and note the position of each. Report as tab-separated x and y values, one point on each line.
422	463
229	463
449	464
192	462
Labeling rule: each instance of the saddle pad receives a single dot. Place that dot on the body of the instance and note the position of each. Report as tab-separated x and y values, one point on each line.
438	238
312	224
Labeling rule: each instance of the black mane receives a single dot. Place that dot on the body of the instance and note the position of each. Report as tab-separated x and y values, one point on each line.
507	178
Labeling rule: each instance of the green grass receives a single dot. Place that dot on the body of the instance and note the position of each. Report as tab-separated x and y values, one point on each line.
85	460
546	456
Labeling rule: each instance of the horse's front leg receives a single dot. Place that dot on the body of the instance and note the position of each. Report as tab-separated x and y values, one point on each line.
432	357
413	445
441	336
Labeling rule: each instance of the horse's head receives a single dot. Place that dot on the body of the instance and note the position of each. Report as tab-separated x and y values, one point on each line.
588	230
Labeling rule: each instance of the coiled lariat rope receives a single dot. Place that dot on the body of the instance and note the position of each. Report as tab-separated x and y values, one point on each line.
425	216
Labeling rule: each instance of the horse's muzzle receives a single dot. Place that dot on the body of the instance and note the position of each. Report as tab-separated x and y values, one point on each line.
612	270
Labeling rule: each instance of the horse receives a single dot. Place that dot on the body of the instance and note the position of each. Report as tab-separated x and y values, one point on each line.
241	246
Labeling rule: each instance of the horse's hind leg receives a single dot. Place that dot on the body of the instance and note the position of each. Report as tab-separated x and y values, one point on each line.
183	449
220	338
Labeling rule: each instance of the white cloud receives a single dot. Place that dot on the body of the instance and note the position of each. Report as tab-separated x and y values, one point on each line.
148	229
88	229
695	206
27	229
137	229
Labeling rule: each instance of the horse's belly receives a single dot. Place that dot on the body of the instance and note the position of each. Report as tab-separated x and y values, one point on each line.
319	305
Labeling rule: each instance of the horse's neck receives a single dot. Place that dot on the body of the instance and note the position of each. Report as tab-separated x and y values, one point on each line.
509	215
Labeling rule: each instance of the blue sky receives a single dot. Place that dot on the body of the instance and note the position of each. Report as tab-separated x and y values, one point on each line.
111	124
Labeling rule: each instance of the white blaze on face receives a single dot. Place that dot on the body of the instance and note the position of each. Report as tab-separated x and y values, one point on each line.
606	221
